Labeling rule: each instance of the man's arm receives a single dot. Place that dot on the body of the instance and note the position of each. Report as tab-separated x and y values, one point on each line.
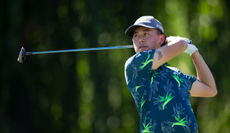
205	86
175	46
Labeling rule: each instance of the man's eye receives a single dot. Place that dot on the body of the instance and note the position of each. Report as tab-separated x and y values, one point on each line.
135	36
146	34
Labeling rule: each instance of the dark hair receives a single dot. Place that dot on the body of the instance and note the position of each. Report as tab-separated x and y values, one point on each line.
160	33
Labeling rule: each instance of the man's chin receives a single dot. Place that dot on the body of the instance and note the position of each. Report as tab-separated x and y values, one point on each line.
142	49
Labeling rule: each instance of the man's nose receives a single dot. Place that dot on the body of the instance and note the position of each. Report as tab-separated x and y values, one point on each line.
141	40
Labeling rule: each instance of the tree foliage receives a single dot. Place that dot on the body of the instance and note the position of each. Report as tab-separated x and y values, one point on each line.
86	92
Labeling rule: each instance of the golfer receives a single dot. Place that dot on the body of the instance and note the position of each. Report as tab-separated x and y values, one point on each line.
161	93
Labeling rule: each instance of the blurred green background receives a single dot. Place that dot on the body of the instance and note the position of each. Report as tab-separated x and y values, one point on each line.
85	92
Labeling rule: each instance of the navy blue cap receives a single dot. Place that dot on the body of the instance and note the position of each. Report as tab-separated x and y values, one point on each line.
144	21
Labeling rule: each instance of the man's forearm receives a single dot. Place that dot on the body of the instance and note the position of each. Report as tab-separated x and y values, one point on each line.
203	72
168	52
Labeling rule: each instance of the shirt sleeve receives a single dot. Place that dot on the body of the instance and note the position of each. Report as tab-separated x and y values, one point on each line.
190	80
139	67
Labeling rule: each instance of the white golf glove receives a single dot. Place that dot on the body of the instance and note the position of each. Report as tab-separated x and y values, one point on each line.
190	49
187	40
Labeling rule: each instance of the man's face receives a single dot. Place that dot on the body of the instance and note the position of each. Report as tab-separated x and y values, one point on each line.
146	39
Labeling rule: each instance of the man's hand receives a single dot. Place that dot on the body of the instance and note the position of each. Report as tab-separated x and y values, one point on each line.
190	49
176	38
173	39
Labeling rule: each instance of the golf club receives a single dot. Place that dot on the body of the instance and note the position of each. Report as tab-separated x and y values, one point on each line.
22	54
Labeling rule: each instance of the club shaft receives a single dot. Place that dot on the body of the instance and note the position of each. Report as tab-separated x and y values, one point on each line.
78	50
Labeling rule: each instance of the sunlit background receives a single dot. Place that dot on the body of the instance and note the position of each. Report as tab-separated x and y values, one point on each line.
85	92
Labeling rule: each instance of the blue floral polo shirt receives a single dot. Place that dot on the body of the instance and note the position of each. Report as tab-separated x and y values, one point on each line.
161	95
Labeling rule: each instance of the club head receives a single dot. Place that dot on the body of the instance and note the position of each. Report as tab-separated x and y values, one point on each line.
22	55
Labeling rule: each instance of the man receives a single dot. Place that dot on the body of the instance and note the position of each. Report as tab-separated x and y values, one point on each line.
161	93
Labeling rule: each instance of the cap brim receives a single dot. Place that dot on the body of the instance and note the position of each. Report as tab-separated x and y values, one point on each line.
129	31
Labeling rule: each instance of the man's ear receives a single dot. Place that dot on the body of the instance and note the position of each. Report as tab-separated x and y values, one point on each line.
162	37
